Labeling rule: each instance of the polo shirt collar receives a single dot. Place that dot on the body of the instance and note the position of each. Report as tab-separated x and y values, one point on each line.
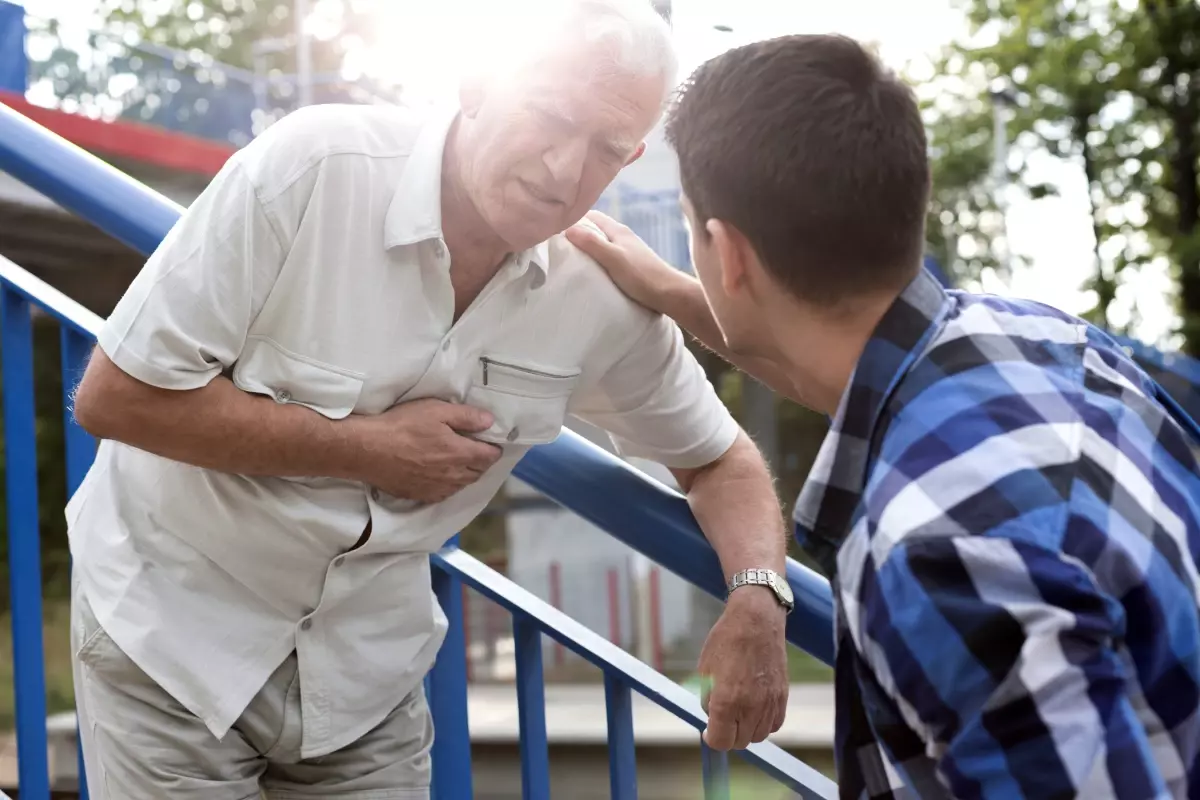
825	509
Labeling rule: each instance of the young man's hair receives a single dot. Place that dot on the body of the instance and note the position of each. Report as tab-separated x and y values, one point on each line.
816	154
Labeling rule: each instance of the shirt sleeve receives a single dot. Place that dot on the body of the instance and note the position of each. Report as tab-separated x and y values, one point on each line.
656	403
185	317
1000	655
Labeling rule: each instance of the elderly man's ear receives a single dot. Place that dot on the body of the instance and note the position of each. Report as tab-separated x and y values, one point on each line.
471	91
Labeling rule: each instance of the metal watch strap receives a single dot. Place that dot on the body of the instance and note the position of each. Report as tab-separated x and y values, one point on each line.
760	577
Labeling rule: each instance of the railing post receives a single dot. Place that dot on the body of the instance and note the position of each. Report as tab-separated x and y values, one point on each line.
447	687
24	544
715	764
80	451
81	447
531	710
622	752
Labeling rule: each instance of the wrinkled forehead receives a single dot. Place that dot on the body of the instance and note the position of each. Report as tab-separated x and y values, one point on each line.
584	86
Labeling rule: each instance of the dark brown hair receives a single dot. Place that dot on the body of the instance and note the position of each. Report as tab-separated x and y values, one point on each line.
816	154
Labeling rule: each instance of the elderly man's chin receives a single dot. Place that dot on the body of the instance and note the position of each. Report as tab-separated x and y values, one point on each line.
524	228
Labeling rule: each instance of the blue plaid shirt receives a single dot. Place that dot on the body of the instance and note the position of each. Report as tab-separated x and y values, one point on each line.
1012	524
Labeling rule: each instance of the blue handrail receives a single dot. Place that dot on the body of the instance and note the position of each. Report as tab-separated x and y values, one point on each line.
641	512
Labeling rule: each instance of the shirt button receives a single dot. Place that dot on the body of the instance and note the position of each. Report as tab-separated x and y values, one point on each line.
306	624
375	495
445	345
438	250
283	395
513	434
337	562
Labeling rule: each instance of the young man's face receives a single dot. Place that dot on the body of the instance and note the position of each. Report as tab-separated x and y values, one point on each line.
723	269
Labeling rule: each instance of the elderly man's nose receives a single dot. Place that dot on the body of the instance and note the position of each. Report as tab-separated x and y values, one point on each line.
565	161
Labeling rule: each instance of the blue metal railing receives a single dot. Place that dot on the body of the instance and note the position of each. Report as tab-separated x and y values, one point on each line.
606	491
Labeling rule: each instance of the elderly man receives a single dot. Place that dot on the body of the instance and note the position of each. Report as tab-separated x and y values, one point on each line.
328	367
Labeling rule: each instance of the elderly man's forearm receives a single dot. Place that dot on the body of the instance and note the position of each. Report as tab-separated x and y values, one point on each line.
215	427
735	503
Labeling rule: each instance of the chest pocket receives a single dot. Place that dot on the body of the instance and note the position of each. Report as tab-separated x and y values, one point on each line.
529	402
267	368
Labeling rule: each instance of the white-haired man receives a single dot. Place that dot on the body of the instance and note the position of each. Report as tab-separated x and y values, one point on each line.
328	367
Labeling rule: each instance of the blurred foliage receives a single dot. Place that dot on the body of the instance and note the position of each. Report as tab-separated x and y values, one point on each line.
163	61
1109	86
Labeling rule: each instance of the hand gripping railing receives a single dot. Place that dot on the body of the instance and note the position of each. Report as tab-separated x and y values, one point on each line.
582	477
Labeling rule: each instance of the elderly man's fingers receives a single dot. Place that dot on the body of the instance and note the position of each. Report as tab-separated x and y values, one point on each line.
722	730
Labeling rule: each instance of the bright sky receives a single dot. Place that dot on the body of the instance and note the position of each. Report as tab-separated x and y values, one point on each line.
429	43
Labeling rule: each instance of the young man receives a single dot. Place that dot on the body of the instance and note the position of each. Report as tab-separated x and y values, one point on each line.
1010	518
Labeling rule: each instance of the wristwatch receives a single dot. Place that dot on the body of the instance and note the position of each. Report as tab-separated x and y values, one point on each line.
765	577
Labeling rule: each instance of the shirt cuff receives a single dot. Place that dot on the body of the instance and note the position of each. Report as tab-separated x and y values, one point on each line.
700	454
136	366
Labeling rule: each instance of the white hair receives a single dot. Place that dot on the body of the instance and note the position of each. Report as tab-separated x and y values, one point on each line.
637	39
631	37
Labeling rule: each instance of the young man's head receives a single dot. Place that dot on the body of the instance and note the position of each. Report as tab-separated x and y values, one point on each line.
804	170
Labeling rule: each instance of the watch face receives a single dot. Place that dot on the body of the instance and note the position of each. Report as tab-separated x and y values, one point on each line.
784	588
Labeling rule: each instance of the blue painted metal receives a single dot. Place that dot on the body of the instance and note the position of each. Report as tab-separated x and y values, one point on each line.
14	64
24	543
447	690
716	773
82	183
531	709
656	520
622	752
775	762
80	446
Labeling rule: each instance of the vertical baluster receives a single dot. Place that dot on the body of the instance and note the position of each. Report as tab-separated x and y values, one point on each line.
447	686
531	710
80	447
622	754
24	544
716	772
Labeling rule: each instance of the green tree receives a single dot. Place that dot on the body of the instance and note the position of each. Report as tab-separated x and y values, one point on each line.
1107	85
176	63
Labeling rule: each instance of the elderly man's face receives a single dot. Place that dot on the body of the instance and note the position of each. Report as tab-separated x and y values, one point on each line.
542	147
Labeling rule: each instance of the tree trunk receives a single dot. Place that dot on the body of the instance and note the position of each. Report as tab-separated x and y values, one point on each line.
1172	23
1105	284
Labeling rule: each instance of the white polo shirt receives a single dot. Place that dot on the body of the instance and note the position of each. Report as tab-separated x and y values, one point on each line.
313	270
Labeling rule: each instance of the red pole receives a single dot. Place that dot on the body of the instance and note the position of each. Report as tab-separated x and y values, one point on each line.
556	601
614	607
656	620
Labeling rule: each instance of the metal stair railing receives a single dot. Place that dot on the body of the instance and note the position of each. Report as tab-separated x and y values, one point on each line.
584	478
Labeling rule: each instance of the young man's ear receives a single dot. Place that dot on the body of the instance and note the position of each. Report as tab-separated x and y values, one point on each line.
733	255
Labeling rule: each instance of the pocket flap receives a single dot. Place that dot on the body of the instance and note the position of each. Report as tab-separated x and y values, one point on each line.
267	368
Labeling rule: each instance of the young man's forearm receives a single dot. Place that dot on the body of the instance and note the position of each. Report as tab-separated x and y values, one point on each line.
684	302
734	501
216	427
